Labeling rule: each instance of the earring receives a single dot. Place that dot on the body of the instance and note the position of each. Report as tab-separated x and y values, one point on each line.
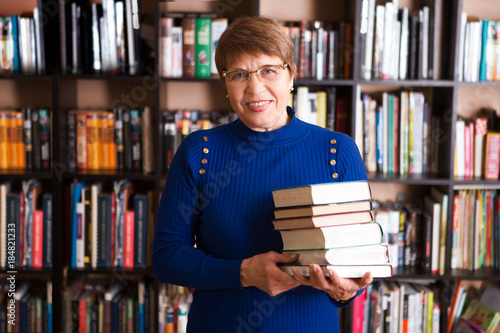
227	96
291	89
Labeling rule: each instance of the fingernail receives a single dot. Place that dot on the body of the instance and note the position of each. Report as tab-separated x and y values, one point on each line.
293	256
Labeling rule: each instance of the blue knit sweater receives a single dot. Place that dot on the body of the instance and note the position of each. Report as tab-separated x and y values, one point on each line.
218	196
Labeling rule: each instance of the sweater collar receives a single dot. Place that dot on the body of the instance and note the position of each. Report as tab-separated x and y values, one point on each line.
287	134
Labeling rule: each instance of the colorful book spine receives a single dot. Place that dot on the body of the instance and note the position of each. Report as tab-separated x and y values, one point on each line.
37	253
128	239
492	156
219	25
203	54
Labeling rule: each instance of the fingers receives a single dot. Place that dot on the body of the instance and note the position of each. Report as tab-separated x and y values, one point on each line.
285	258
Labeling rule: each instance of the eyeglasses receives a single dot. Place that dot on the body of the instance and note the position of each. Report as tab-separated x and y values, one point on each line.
266	73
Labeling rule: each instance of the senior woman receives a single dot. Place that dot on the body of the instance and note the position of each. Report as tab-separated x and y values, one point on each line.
214	231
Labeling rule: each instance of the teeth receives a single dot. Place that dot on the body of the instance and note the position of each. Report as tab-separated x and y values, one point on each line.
258	104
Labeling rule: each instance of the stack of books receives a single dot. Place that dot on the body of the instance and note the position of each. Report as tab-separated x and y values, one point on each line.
331	225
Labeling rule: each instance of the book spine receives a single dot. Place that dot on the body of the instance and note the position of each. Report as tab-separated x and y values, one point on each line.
120	160
128	239
147	141
218	27
28	138
37	239
81	141
103	237
203	35
492	158
44	123
188	47
165	45
141	225
127	140
47	230
71	140
136	140
92	141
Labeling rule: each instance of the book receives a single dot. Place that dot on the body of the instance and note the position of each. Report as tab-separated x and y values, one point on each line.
344	271
332	237
323	220
202	47
376	254
480	317
188	46
325	193
492	155
314	210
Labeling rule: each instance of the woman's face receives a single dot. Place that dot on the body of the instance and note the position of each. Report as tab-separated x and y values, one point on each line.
260	104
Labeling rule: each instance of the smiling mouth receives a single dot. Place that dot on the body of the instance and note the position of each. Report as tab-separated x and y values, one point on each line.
259	103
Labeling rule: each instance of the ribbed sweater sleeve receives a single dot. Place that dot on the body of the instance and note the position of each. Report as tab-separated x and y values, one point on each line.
175	260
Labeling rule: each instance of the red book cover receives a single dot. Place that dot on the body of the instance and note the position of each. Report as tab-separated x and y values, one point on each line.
37	260
82	315
492	156
128	246
358	312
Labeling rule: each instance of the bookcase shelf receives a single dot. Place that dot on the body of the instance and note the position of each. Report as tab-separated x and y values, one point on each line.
60	92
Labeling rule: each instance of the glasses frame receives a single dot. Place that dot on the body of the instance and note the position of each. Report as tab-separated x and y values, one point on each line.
224	73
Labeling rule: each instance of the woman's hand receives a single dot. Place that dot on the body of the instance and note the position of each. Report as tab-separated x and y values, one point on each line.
261	271
336	287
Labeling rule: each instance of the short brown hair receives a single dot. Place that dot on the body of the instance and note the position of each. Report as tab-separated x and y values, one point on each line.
254	36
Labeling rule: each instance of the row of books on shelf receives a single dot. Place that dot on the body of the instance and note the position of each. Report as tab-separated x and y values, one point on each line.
22	50
187	43
348	240
25	225
25	139
394	306
399	133
479	52
121	139
111	225
101	38
475	232
174	303
323	108
26	307
416	234
477	146
323	50
397	44
96	304
177	124
474	308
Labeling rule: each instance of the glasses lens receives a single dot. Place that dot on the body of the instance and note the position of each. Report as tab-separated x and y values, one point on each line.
270	73
236	77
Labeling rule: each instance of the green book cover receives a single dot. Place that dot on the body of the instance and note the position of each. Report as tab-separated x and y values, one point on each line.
203	32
